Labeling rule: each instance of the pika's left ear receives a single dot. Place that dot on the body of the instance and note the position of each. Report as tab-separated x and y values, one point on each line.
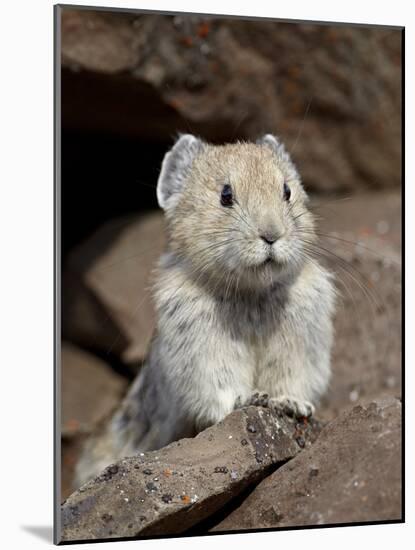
283	156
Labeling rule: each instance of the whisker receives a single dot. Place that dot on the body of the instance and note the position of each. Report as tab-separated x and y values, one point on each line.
349	269
357	244
300	130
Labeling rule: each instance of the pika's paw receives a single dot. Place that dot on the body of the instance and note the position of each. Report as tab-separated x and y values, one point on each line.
291	406
259	399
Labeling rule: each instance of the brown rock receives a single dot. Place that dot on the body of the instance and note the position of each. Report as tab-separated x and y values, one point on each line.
352	473
85	320
107	303
365	232
169	490
331	92
90	389
71	447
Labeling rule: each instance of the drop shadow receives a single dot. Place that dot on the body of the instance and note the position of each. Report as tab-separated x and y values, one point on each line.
43	532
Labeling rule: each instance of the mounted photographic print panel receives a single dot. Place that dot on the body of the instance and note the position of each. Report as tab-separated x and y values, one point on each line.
229	274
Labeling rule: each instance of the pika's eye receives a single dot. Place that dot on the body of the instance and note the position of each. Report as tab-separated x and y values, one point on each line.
226	197
287	192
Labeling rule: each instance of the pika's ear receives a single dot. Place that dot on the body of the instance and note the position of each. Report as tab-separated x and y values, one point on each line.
175	167
274	143
283	156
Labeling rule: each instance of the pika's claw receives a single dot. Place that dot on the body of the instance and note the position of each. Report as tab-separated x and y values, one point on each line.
258	399
291	406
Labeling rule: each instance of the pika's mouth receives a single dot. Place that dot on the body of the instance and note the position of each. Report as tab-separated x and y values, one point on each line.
268	262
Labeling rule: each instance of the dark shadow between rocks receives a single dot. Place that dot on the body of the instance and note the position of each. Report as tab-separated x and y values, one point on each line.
216	518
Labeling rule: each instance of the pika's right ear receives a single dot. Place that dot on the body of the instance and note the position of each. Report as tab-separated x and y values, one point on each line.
175	168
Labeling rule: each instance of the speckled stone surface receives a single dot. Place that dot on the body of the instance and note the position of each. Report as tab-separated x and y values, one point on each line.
170	490
352	473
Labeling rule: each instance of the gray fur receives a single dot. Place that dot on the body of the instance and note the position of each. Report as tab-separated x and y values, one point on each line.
176	166
229	323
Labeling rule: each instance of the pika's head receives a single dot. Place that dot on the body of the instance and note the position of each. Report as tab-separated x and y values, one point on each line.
236	213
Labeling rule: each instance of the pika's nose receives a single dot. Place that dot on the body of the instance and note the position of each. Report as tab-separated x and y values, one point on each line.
270	237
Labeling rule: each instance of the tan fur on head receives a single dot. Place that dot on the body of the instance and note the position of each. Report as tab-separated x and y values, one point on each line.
217	240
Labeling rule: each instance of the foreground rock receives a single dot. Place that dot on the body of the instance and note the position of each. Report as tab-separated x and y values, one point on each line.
351	474
170	490
90	389
149	76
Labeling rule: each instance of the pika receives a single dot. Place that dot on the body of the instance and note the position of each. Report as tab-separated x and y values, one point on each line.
244	310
